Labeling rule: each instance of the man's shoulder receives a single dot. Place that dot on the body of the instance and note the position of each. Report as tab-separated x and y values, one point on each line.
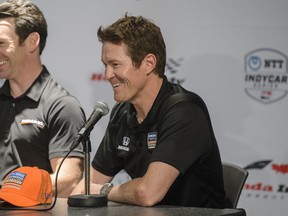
54	90
122	113
182	94
183	99
55	97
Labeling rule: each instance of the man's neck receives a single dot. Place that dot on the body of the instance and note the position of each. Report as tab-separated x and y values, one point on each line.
20	84
148	96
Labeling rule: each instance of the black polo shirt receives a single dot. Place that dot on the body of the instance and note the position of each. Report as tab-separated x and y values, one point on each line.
176	131
37	126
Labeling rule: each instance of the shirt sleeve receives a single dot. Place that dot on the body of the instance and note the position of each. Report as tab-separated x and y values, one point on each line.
66	117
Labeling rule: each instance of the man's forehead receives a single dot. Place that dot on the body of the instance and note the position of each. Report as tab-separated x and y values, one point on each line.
7	22
7	29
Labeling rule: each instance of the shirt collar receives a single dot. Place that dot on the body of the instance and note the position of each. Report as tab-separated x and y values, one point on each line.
152	114
165	91
35	91
37	88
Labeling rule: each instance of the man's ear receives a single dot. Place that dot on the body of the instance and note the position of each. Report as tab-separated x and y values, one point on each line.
32	42
150	63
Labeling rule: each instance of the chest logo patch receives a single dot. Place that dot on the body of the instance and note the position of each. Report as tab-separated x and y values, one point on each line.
151	140
125	143
39	124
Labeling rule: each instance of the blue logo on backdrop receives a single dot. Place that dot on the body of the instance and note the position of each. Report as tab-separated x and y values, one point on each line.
266	75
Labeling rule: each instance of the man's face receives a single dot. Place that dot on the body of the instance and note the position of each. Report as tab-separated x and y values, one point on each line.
127	80
11	52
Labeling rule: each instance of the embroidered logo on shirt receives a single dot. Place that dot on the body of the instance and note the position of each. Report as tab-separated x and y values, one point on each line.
125	143
151	140
39	124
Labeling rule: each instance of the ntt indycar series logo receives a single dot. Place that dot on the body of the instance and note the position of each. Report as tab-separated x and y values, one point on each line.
266	75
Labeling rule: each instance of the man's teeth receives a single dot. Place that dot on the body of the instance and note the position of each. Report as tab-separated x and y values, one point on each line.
116	85
3	62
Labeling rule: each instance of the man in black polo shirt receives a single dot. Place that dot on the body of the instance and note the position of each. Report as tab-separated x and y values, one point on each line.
38	118
158	132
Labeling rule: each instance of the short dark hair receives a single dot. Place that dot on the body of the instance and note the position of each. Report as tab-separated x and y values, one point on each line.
141	36
28	18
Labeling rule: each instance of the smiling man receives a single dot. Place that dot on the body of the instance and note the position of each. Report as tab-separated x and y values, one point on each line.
159	133
39	119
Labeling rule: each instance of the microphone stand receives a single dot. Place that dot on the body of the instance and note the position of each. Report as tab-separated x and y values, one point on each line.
87	199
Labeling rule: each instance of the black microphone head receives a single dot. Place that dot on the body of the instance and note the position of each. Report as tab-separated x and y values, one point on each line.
102	106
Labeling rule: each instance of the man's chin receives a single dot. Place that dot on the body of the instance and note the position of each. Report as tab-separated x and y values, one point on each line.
119	99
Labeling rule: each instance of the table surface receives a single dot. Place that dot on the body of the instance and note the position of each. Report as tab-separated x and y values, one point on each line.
112	209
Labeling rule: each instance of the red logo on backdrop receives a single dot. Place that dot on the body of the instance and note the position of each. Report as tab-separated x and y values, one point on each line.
259	186
98	76
280	168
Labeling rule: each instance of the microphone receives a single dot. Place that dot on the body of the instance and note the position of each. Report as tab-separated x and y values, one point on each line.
100	109
87	199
